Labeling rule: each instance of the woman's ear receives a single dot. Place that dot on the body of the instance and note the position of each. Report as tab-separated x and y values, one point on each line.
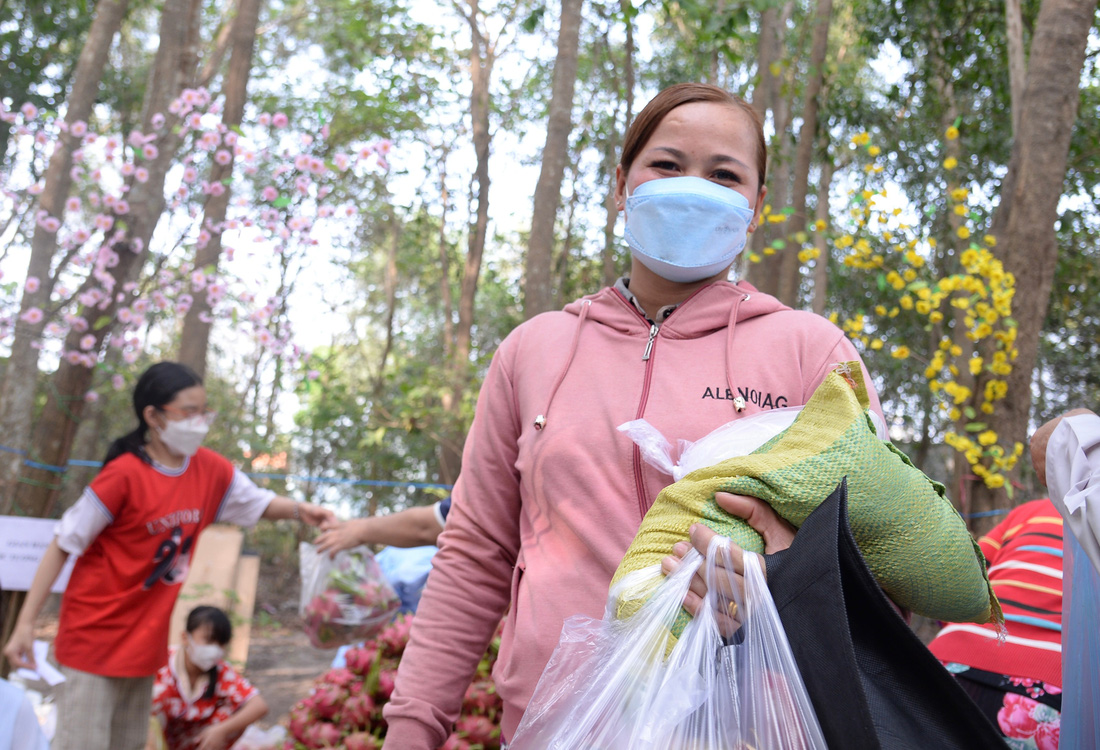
620	187
758	209
152	417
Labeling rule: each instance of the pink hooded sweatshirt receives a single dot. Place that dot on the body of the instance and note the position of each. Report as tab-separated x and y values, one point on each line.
551	493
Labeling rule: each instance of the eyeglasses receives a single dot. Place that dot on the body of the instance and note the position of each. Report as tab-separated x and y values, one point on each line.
190	412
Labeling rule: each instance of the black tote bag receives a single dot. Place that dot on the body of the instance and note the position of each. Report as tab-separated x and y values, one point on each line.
872	682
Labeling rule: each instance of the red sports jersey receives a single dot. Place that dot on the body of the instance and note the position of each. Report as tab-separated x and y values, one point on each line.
116	609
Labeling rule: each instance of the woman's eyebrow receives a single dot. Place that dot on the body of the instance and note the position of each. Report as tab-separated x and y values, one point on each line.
716	159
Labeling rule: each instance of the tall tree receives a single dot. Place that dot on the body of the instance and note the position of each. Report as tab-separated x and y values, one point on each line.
790	272
484	51
538	291
1025	218
195	337
17	394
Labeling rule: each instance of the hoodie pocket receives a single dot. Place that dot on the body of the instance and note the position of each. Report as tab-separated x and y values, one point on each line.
505	667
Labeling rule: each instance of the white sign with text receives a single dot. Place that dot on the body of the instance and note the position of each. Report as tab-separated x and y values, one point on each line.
23	541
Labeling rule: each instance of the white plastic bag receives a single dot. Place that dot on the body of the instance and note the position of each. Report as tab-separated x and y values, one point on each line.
737	438
345	598
631	685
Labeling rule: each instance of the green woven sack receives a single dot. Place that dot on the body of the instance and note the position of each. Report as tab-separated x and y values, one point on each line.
914	541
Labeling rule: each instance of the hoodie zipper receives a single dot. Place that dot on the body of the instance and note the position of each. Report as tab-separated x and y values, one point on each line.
647	357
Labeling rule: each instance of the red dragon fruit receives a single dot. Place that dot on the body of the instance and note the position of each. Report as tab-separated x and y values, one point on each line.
349	701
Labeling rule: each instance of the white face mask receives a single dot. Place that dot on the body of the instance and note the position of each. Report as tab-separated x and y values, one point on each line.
686	229
183	437
204	656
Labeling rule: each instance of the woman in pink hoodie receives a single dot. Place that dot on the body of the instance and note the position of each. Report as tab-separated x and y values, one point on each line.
551	494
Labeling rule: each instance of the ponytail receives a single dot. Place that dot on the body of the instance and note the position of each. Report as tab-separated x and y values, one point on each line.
156	387
131	442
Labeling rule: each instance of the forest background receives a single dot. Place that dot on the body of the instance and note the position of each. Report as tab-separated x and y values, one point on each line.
336	211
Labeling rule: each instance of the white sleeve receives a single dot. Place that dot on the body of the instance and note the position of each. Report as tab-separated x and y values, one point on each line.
244	502
81	524
1073	478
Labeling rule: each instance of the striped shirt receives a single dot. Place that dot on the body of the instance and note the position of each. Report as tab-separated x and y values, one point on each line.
1025	567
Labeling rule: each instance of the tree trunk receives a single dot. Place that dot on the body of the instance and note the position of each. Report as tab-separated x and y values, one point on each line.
821	265
611	210
1024	220
765	274
538	291
195	337
17	394
1017	60
790	269
482	57
445	259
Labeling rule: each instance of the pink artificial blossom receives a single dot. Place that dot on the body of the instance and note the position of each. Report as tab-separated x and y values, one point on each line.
122	207
269	193
87	342
79	128
104	222
141	174
29	111
342	161
149	151
136	138
223	157
190	174
127	169
279	120
36	188
76	173
194	121
157	120
264	119
33	315
118	382
49	223
125	315
313	375
32	284
72	204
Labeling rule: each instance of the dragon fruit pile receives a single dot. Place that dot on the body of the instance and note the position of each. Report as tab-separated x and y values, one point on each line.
348	598
344	709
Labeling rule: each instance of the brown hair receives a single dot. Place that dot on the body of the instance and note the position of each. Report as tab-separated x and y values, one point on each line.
639	132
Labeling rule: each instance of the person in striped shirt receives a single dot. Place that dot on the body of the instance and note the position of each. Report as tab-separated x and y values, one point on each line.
1017	682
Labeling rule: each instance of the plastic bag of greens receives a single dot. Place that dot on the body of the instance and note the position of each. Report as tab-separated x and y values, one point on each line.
728	681
345	598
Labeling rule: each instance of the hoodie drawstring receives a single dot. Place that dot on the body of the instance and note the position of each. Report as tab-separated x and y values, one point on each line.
540	420
738	403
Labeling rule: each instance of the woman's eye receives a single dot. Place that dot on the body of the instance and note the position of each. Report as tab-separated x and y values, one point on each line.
665	165
723	175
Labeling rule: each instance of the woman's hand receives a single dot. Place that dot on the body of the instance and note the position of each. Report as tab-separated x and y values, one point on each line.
339	535
19	650
315	515
777	534
214	737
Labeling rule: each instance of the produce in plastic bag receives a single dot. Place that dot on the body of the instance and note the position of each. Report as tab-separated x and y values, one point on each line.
915	543
345	598
737	438
729	681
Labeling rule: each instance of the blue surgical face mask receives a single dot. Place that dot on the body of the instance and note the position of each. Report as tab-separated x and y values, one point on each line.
686	229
